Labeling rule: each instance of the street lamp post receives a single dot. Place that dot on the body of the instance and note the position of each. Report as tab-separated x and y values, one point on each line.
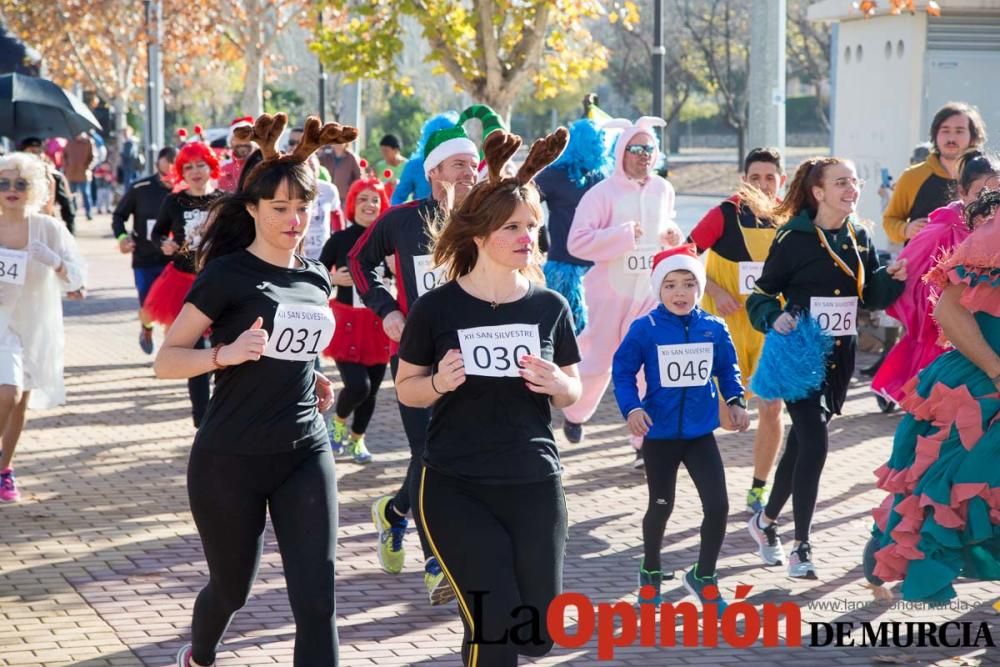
658	54
154	82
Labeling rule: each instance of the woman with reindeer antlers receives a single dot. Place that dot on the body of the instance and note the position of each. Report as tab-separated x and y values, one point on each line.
262	446
491	352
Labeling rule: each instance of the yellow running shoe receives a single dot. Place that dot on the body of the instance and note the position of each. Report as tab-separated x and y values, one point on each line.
391	555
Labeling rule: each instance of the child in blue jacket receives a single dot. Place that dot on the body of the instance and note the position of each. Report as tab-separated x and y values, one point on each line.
680	348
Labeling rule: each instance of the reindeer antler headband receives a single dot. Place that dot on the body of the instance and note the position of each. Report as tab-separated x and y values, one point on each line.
267	129
501	146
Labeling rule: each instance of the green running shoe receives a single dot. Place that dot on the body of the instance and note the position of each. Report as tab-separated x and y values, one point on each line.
391	555
338	434
756	499
356	449
696	586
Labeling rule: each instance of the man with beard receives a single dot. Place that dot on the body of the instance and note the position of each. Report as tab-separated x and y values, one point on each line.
229	172
402	232
930	184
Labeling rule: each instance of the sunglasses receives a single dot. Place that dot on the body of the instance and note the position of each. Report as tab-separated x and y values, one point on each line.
20	185
640	149
292	143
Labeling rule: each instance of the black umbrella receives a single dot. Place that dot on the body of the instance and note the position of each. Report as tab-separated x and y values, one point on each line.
32	107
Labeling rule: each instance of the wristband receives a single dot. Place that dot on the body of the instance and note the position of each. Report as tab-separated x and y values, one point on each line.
215	357
739	401
122	237
436	390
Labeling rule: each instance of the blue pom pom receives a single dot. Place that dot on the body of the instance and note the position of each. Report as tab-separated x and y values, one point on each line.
792	366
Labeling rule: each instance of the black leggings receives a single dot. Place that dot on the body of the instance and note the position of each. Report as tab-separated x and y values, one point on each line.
801	465
361	385
704	464
229	497
415	423
199	389
500	546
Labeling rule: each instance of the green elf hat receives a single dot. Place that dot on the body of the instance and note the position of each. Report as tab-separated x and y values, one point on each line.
489	118
447	143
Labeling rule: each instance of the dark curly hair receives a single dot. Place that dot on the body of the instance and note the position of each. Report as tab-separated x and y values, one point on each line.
984	207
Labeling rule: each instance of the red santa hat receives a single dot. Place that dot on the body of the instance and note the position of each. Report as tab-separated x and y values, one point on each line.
242	121
681	258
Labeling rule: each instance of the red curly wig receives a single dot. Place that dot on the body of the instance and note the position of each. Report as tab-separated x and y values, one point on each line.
195	151
365	184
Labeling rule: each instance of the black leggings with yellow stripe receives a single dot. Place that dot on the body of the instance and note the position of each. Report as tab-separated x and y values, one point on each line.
501	547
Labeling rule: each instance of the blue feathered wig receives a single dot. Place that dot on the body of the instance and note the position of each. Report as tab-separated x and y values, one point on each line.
442	121
586	159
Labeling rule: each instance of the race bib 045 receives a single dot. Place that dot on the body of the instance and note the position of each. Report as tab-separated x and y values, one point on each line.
685	365
300	332
836	315
428	275
495	351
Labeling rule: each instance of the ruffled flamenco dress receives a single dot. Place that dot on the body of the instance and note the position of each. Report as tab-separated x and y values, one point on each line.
919	345
941	519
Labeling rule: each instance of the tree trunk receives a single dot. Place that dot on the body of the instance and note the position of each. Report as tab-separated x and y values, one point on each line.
253	82
741	144
119	107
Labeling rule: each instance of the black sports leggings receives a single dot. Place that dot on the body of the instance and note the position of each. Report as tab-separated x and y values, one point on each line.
500	546
704	464
199	389
361	385
415	423
801	465
229	496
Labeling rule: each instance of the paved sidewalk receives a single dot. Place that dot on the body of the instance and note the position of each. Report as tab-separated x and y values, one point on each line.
100	563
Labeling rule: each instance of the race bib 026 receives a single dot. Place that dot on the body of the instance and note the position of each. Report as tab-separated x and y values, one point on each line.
13	266
300	332
685	365
749	275
836	315
495	351
428	275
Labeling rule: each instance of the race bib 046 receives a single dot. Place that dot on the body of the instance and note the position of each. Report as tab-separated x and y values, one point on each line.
13	266
685	365
836	315
749	274
495	351
300	332
428	275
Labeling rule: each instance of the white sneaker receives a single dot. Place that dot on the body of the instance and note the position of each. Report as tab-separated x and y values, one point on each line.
800	563
769	546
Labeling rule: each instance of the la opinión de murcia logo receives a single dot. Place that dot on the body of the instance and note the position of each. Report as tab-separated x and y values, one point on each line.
741	625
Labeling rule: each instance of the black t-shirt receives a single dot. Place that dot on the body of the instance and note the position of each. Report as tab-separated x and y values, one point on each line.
183	215
334	256
492	430
269	405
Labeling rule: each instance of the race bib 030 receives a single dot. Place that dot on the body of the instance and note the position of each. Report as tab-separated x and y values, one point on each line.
495	351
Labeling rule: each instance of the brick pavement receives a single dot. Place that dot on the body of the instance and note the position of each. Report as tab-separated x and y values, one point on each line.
100	563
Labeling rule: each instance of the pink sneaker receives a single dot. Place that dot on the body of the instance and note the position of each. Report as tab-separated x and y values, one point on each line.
8	487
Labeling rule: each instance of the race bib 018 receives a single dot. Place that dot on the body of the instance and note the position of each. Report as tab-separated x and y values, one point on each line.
495	351
836	315
749	275
428	275
300	332
13	265
685	365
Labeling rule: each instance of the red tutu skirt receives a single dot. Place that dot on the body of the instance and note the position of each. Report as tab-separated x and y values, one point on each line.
166	296
358	337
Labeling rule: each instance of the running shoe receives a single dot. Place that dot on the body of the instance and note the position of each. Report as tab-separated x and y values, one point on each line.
8	487
800	562
756	499
573	431
439	591
653	579
356	449
146	340
696	586
770	549
184	656
391	555
639	461
338	434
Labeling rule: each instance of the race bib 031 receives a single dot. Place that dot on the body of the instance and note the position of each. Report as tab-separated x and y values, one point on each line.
300	332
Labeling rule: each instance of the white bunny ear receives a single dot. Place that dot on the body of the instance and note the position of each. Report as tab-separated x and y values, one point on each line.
616	124
649	122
